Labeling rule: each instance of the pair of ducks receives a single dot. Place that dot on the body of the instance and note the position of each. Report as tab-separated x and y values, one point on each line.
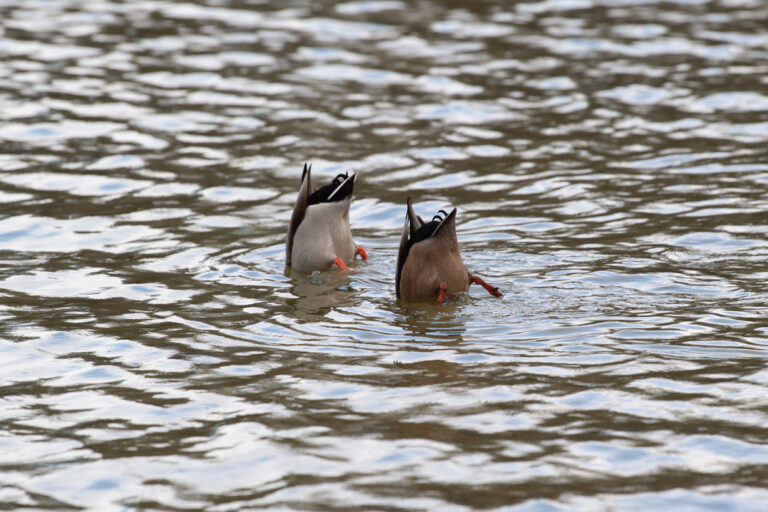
429	264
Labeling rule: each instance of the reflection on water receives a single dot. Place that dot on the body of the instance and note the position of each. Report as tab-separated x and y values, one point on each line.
318	294
608	160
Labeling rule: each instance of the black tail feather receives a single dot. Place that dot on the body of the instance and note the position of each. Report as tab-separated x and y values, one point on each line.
339	189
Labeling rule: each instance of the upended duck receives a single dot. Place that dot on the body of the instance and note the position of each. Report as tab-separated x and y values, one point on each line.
429	264
319	234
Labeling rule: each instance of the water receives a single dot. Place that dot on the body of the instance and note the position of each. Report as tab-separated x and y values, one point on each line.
608	159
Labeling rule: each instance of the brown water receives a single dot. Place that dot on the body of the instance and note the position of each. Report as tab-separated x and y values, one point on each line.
609	160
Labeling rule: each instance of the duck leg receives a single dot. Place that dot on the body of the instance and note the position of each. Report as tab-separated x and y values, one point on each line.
362	253
441	293
340	263
491	289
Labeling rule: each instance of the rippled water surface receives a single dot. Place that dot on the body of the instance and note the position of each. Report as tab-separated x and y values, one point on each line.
609	161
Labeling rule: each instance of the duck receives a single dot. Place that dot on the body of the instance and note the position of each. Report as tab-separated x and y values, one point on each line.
319	235
429	264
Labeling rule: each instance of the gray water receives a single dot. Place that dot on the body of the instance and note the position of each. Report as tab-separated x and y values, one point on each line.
609	163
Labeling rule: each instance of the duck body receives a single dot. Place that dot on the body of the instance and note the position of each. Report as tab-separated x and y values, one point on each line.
319	234
323	235
429	263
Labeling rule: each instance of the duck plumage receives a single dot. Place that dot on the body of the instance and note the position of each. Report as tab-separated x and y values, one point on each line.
319	234
429	263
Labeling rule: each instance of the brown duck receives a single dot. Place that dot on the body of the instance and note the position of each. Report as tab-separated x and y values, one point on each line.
319	234
429	264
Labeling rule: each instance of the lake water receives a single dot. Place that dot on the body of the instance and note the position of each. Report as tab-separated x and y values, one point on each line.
609	163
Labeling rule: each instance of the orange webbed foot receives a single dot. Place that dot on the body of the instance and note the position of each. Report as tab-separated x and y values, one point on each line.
441	293
362	253
340	264
491	289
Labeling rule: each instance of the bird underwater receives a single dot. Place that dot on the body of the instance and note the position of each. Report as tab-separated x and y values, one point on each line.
319	235
429	264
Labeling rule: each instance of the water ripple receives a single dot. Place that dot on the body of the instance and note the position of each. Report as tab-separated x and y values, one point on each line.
607	160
